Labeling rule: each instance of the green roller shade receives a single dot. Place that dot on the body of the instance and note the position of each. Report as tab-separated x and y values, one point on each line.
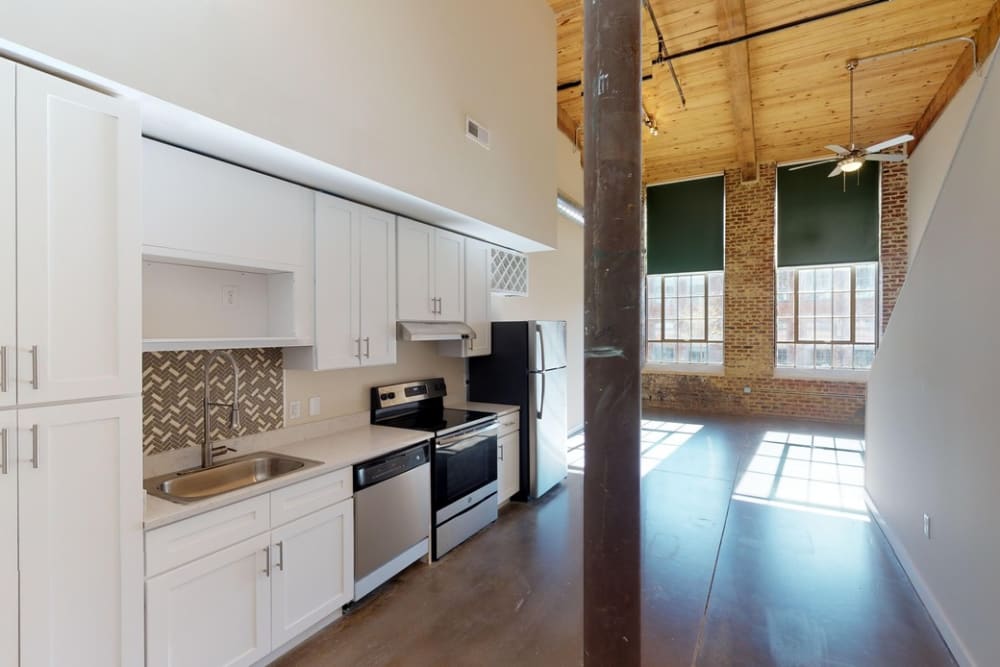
821	223
685	226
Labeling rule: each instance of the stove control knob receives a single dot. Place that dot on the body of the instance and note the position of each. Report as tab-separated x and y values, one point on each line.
392	394
384	396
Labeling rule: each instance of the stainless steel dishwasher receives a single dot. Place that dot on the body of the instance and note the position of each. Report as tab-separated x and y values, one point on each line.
392	516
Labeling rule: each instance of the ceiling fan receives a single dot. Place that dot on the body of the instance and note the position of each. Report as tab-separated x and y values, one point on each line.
850	160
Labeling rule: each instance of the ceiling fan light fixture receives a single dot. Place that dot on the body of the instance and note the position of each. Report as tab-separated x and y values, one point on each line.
851	164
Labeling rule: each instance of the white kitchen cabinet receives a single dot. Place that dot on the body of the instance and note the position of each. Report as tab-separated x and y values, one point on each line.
508	466
8	538
212	612
313	573
477	303
78	245
8	213
430	273
355	304
79	534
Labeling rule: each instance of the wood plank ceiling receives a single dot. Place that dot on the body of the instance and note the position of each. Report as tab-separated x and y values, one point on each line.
782	96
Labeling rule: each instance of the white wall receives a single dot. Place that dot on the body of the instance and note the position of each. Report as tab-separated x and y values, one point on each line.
378	88
933	426
555	280
930	161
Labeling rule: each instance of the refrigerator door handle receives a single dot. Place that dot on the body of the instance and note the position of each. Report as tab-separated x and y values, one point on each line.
541	347
541	404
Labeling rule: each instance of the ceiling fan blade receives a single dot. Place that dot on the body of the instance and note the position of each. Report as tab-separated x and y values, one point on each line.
812	164
885	157
889	143
837	171
839	150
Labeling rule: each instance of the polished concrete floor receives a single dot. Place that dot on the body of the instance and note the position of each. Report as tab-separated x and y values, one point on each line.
757	551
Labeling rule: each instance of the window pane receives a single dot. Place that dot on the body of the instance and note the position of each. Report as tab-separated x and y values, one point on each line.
684	329
804	356
865	304
699	353
654	329
824	304
715	284
670	286
669	353
786	280
842	279
824	356
654	286
670	329
654	308
784	329
683	285
807	280
843	356
842	304
698	307
785	305
863	356
807	304
683	308
864	330
683	353
824	328
697	285
866	276
842	328
697	329
715	328
654	352
670	308
824	280
806	328
715	306
715	353
786	355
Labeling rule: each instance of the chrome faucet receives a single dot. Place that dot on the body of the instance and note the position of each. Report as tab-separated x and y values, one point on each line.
208	452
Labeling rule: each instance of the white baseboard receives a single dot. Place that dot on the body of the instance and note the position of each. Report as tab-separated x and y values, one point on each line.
944	626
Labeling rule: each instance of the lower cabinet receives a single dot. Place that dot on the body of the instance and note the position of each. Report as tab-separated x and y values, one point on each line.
239	604
508	465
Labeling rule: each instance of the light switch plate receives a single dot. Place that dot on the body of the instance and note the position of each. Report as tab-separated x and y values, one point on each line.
314	406
294	410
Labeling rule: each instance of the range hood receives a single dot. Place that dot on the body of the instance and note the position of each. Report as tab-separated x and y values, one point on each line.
434	331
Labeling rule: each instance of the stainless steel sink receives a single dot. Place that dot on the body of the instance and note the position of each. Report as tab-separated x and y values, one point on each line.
200	483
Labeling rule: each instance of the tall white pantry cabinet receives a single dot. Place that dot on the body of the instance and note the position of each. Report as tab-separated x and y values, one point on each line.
70	406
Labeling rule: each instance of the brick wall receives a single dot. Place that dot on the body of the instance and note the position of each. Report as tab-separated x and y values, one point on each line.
749	316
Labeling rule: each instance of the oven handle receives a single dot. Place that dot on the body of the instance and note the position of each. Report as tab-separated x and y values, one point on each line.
466	435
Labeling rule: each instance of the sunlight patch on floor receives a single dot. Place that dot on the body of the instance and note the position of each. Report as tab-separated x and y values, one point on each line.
658	440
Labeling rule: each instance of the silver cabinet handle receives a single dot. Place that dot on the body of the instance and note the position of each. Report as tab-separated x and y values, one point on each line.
440	305
34	446
500	451
267	561
358	342
3	369
281	555
368	347
3	452
34	368
434	306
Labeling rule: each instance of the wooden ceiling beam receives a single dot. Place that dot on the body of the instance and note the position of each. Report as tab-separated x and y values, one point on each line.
566	125
986	40
732	20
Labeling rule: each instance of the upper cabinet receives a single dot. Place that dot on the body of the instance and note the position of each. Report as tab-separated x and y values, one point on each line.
355	288
70	158
227	254
431	273
477	303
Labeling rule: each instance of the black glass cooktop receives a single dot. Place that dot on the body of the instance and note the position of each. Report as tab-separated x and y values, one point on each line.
436	421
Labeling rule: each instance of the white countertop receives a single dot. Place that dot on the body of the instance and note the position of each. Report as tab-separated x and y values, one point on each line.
498	408
336	450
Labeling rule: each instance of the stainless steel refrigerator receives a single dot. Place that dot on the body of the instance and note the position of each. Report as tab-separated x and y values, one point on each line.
528	368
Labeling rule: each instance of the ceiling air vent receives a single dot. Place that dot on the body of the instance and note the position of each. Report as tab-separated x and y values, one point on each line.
477	132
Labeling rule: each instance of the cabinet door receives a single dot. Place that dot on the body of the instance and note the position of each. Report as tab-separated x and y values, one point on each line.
8	277
414	274
337	343
508	466
377	282
313	570
8	537
78	253
449	275
80	533
213	612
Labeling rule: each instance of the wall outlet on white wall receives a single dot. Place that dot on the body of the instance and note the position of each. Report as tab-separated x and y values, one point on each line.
927	526
230	296
294	409
314	406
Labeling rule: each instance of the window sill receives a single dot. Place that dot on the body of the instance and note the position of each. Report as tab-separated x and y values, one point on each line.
831	375
684	369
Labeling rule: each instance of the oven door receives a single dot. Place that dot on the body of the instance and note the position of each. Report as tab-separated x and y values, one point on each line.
463	463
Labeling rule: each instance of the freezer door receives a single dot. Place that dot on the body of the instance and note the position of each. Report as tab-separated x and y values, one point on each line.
547	430
547	345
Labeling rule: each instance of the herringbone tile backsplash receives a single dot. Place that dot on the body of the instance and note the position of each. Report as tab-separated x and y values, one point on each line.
172	394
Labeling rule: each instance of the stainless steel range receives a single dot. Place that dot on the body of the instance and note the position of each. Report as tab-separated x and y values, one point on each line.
464	460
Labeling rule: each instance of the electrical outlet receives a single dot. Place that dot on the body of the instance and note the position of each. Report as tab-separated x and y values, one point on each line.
927	526
314	406
230	296
294	409
746	389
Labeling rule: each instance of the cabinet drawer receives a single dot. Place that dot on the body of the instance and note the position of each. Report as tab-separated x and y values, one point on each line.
509	422
307	497
186	540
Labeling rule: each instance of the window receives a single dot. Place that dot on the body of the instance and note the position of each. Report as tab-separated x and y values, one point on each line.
826	317
684	318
